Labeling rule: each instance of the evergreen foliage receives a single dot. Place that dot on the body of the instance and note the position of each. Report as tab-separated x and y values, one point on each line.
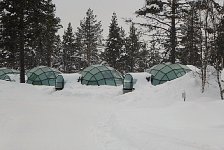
68	46
132	46
190	53
164	17
114	44
89	36
29	33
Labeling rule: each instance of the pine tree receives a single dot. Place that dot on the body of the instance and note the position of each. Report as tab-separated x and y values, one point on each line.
114	44
154	55
57	54
79	56
14	19
191	38
164	17
133	46
29	31
90	34
220	43
44	28
144	58
68	45
219	54
210	12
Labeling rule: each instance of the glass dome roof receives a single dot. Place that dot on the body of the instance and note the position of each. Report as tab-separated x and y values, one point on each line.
101	75
42	75
166	72
5	71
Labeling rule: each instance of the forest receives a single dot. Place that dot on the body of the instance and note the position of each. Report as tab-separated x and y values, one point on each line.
178	31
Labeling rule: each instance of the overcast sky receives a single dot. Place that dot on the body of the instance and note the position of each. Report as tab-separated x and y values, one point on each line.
75	10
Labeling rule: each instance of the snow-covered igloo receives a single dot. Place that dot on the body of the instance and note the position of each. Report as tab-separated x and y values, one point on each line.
5	72
164	72
42	75
101	75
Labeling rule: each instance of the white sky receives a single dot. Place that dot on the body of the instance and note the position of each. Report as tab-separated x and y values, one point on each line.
75	10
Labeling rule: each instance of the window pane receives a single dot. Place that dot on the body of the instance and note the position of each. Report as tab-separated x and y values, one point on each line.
159	75
88	76
99	76
38	72
102	82
52	82
171	75
110	82
94	71
45	82
42	76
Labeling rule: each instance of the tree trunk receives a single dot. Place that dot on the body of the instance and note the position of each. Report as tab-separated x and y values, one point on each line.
21	46
205	59
173	33
219	83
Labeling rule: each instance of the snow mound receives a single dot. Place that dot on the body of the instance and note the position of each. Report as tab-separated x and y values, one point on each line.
102	118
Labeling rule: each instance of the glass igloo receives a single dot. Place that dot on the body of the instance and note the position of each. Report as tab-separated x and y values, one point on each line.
42	75
101	75
164	72
4	72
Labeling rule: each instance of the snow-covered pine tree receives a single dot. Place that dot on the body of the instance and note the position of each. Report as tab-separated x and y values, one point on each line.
90	33
14	20
68	46
153	53
144	58
79	55
220	54
57	60
133	46
51	24
29	31
163	21
191	37
210	12
114	44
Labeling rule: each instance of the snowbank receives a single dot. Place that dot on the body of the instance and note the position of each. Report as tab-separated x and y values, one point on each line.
102	118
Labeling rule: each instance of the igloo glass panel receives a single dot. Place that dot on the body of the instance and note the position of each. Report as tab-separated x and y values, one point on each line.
118	81
153	72
88	76
166	69
93	79
45	82
33	77
99	76
102	82
92	83
175	66
43	76
165	78
84	82
50	74
107	74
159	67
45	69
171	75
39	71
110	82
159	75
52	82
94	71
155	82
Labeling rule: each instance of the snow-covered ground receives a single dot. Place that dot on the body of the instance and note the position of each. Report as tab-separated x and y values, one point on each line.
102	118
